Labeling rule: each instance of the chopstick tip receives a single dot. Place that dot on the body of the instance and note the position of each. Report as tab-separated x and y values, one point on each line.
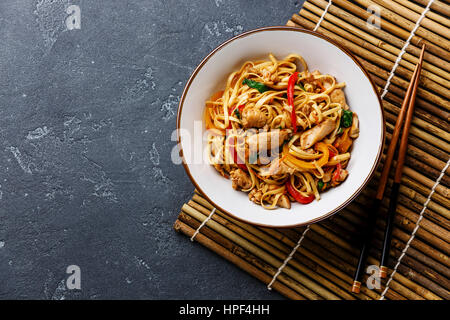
356	286
383	272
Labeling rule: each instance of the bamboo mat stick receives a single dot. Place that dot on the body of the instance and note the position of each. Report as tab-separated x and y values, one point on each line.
439	266
409	289
427	170
374	70
442	190
312	261
407	283
421	142
420	133
353	218
438	6
427	184
423	168
327	270
408	25
424	107
423	155
429	214
430	14
443	282
282	235
269	245
438	116
406	218
412	184
376	58
332	259
396	90
416	40
440	291
415	206
366	54
419	267
436	224
217	237
180	226
344	265
410	194
332	236
420	188
401	235
414	16
425	136
308	283
273	236
443	134
372	43
387	40
249	257
424	152
425	147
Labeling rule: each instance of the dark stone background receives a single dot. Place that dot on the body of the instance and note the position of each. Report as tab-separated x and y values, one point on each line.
86	118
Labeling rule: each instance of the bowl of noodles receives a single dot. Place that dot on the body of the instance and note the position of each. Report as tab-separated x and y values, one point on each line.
280	127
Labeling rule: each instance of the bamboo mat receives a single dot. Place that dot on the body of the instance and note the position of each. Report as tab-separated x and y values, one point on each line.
323	265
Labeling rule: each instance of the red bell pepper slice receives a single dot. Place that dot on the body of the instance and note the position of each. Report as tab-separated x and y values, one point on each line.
236	158
290	95
297	195
337	172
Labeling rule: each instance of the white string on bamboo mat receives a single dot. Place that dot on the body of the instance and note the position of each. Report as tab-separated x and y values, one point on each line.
203	223
399	57
436	183
285	262
323	15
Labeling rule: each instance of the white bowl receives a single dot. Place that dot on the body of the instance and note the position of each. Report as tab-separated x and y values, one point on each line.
320	53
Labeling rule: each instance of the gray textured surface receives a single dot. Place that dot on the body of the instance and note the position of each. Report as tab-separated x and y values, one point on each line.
86	118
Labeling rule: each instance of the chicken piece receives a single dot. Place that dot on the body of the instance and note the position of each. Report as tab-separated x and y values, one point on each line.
284	202
278	167
338	96
354	130
253	118
240	180
317	133
327	175
255	195
267	140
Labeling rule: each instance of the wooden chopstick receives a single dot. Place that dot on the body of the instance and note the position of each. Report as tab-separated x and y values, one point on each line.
398	173
409	96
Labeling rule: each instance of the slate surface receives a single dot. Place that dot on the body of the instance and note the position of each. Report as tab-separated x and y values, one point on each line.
86	118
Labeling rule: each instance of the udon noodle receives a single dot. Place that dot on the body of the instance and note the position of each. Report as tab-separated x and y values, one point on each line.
280	132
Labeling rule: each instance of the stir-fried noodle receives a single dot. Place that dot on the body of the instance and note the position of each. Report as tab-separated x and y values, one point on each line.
280	132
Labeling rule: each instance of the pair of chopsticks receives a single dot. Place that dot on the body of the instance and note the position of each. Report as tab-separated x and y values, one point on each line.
408	110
